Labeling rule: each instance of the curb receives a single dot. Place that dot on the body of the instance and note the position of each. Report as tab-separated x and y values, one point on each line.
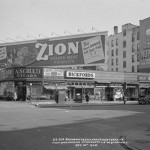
127	146
78	105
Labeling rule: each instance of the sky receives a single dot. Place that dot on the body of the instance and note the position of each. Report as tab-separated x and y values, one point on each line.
35	19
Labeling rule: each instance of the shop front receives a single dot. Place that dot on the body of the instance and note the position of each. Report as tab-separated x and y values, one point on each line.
79	83
144	85
25	82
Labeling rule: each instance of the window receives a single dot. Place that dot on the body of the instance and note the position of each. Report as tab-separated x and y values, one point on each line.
116	42
116	61
138	47
124	32
138	68
112	52
133	60
133	38
112	43
124	64
138	35
138	57
112	62
117	52
124	44
133	49
133	69
116	69
124	54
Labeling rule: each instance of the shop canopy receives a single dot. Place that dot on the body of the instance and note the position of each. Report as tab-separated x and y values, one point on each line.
54	87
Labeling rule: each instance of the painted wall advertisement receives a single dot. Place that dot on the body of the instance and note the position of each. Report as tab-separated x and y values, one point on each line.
55	52
145	45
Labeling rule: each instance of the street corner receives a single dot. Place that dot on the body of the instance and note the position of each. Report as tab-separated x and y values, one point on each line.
137	140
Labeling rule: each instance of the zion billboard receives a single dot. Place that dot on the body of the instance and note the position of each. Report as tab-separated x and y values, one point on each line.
61	51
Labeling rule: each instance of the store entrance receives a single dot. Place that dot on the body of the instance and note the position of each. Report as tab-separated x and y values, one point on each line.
21	90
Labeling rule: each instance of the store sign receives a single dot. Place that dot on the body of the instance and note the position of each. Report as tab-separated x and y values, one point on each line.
144	78
28	72
9	73
53	72
3	53
70	74
82	49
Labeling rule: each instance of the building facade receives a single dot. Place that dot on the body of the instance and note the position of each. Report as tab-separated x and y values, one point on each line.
123	48
144	45
45	82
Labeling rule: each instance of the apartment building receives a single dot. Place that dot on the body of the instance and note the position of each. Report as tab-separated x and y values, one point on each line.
144	65
123	49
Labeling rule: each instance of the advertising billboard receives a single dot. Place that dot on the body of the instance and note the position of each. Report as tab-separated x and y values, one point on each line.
69	50
144	64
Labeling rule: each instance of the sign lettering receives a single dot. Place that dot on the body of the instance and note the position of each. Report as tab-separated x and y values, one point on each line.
59	49
80	74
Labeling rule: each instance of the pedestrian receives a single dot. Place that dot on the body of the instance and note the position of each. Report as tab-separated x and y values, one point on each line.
56	97
87	98
15	96
124	100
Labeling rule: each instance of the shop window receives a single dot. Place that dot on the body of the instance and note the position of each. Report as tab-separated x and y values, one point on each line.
116	69
80	83
76	83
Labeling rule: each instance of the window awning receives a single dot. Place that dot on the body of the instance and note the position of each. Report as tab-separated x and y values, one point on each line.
53	87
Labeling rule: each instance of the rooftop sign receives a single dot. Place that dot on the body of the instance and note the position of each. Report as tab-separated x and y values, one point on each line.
85	49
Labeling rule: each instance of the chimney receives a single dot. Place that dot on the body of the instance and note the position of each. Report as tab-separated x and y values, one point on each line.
115	29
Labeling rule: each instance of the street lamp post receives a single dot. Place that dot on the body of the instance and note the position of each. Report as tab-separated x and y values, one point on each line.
30	91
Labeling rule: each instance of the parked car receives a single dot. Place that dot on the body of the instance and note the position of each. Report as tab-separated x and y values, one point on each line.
78	98
144	100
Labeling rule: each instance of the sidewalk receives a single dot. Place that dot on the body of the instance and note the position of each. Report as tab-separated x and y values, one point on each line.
46	103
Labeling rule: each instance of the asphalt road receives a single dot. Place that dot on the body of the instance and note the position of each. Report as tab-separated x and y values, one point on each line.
25	127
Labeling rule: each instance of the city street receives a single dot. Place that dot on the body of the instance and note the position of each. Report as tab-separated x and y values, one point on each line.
24	126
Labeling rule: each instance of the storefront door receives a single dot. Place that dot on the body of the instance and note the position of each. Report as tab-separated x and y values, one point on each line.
21	90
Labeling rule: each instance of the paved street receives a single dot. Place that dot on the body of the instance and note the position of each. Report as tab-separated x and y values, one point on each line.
24	126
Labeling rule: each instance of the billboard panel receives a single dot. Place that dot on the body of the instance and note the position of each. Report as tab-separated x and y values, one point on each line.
144	64
85	49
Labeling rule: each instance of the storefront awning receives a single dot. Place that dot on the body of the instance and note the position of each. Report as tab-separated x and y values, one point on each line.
53	87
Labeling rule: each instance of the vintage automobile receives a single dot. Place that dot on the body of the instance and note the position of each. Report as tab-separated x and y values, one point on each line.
78	98
144	100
